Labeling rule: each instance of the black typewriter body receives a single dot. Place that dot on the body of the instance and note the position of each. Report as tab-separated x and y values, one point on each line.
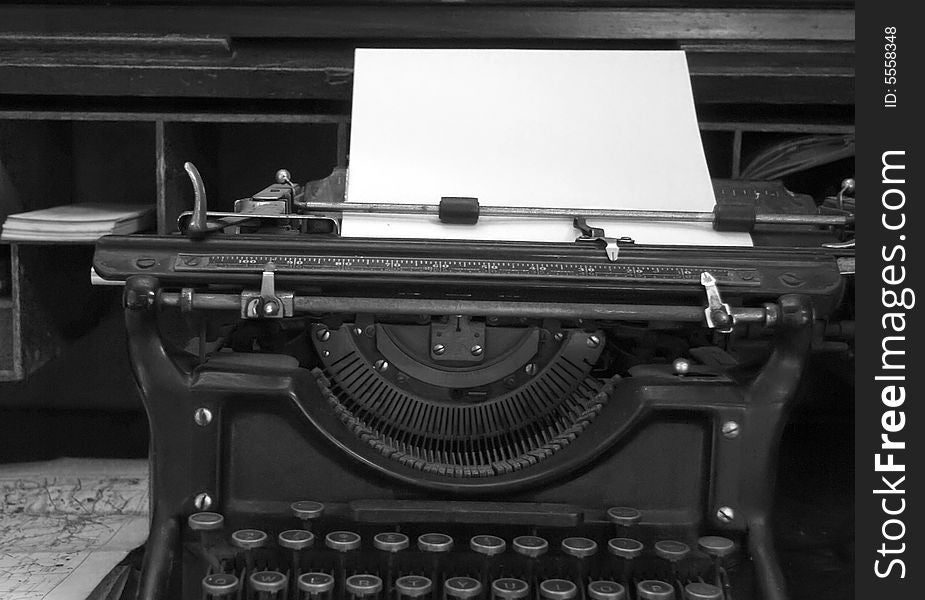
428	391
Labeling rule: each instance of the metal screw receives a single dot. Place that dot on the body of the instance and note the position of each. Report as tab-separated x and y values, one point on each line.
381	365
370	331
283	176
681	366
325	353
438	349
510	382
559	336
203	501
594	341
401	377
358	330
202	416
492	320
725	514
270	308
476	350
530	369
730	429
323	335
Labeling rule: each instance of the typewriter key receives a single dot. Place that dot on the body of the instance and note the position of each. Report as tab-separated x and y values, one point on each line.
268	583
623	516
342	541
205	521
363	586
219	585
625	548
413	586
558	589
530	545
391	541
509	588
435	542
606	590
489	545
315	584
249	540
296	539
307	511
462	588
672	550
702	591
651	589
717	548
579	547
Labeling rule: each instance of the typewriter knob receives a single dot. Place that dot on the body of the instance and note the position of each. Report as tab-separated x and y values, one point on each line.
205	521
307	509
248	539
220	584
622	515
530	545
652	589
268	581
625	548
509	588
363	585
488	545
391	541
579	547
296	539
413	586
435	542
702	591
342	541
606	590
671	550
462	588
316	583
716	546
558	589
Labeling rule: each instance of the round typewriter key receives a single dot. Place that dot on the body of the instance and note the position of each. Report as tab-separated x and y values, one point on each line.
558	589
413	586
530	545
652	589
579	547
363	585
625	548
510	588
606	590
248	539
622	515
702	591
205	521
316	583
672	550
268	581
296	539
716	546
391	542
307	509
342	541
220	584
488	545
435	542
462	588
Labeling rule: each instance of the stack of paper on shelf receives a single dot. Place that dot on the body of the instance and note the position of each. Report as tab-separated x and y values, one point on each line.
83	222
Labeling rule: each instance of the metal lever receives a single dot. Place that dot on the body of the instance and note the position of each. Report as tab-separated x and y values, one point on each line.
718	313
198	225
268	303
596	234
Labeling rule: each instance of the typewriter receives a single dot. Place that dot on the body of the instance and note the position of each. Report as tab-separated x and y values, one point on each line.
342	418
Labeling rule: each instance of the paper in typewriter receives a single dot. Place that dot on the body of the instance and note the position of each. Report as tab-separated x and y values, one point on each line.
582	129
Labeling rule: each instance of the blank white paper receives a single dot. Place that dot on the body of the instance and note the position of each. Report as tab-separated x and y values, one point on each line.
582	129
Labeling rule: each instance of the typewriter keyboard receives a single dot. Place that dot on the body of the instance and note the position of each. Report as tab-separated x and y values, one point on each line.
619	560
